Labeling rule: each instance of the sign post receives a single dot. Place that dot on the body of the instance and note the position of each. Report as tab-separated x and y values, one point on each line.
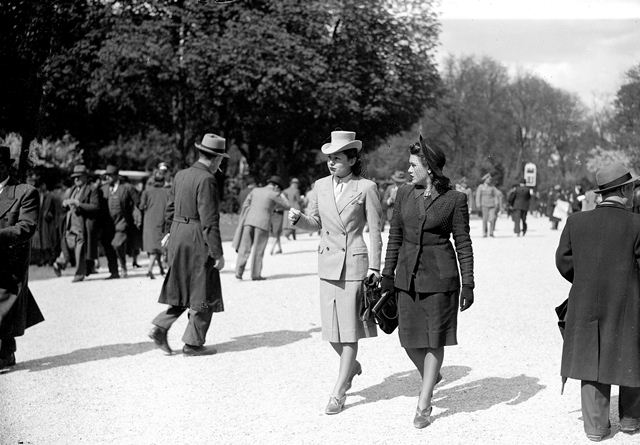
530	174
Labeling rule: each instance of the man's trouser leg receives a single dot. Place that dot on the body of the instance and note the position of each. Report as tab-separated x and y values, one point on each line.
629	404
260	240
523	216
595	408
485	220
492	220
196	331
7	347
119	244
516	221
81	257
166	318
244	249
112	260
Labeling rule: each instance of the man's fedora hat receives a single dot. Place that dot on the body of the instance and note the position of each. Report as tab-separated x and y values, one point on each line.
341	141
486	176
613	176
277	180
398	176
5	155
434	156
79	170
213	144
111	170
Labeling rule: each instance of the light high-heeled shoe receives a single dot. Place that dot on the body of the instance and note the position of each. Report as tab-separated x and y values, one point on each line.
335	404
357	370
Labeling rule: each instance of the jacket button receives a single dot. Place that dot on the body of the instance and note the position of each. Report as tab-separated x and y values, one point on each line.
327	232
327	248
343	234
343	249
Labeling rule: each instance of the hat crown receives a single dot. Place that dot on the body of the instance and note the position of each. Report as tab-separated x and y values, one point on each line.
213	142
80	168
610	173
342	137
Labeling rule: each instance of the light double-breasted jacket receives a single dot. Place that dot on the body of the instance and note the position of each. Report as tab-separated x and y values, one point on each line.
342	253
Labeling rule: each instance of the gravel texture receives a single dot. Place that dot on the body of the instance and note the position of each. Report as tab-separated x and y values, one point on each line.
89	374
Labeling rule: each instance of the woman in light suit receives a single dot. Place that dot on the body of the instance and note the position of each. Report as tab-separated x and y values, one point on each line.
340	205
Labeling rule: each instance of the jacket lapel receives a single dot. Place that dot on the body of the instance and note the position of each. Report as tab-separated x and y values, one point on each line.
7	198
348	195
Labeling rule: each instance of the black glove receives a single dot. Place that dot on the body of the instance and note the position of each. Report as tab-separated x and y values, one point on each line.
386	284
466	298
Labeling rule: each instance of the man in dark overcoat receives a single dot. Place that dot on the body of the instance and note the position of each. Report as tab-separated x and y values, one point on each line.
122	200
521	199
82	204
195	251
599	253
19	206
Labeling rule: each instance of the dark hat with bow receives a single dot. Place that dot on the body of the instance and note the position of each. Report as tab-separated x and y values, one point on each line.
277	180
434	156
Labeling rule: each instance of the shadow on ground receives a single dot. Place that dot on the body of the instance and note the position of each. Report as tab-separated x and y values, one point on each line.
469	397
85	355
271	339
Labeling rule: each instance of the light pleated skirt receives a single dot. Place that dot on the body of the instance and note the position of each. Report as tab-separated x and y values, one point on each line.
339	311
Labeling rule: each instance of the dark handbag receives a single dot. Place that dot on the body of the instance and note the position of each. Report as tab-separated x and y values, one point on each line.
378	306
561	312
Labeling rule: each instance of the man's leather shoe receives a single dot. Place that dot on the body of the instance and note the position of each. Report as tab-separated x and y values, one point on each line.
258	278
629	425
159	337
113	276
8	361
192	351
335	405
57	270
77	278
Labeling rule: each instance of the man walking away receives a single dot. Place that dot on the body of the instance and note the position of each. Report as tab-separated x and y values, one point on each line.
599	253
521	202
195	251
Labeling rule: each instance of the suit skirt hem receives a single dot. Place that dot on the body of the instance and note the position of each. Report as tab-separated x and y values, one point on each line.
340	312
427	320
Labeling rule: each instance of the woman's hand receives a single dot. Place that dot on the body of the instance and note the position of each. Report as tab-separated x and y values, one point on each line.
294	215
387	284
373	272
466	298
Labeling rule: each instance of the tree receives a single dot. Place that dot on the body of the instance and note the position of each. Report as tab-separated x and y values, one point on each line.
626	119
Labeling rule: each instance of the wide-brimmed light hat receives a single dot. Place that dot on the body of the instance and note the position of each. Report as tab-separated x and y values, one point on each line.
79	170
613	176
213	144
341	141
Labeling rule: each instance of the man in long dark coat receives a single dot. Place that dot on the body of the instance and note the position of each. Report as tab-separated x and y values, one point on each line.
19	206
82	203
195	251
520	201
599	253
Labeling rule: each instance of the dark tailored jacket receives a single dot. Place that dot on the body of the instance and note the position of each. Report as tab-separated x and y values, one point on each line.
194	243
46	236
419	248
521	198
19	208
153	202
123	220
599	253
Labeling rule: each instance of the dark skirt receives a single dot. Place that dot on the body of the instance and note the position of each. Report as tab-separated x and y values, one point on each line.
427	320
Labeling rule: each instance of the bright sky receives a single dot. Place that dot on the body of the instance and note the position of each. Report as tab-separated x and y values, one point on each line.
583	46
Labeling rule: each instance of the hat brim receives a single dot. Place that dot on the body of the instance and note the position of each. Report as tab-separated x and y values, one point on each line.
208	150
330	149
630	181
75	175
398	178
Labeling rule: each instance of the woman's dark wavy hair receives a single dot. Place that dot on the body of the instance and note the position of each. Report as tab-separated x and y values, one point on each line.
357	168
439	181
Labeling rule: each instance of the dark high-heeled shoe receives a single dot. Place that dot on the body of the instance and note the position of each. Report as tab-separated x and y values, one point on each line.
151	275
422	418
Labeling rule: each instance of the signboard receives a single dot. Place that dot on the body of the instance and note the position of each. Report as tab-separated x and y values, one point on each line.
530	174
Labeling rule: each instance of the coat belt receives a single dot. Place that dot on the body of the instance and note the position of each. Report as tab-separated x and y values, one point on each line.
185	219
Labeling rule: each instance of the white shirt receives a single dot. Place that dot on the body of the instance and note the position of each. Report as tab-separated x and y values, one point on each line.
339	184
3	183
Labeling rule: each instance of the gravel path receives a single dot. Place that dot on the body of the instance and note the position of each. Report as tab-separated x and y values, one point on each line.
89	374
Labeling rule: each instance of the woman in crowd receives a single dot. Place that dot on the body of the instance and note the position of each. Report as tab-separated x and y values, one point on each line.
340	205
421	267
152	203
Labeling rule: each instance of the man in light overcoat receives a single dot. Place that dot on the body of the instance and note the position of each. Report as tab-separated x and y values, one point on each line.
599	253
195	251
19	206
488	201
253	229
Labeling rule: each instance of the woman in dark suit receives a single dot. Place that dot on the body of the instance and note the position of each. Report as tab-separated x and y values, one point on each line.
421	267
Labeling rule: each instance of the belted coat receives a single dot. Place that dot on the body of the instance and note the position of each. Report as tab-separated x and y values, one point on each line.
599	253
194	243
419	248
19	208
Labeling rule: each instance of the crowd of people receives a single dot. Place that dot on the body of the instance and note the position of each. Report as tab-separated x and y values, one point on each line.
428	268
